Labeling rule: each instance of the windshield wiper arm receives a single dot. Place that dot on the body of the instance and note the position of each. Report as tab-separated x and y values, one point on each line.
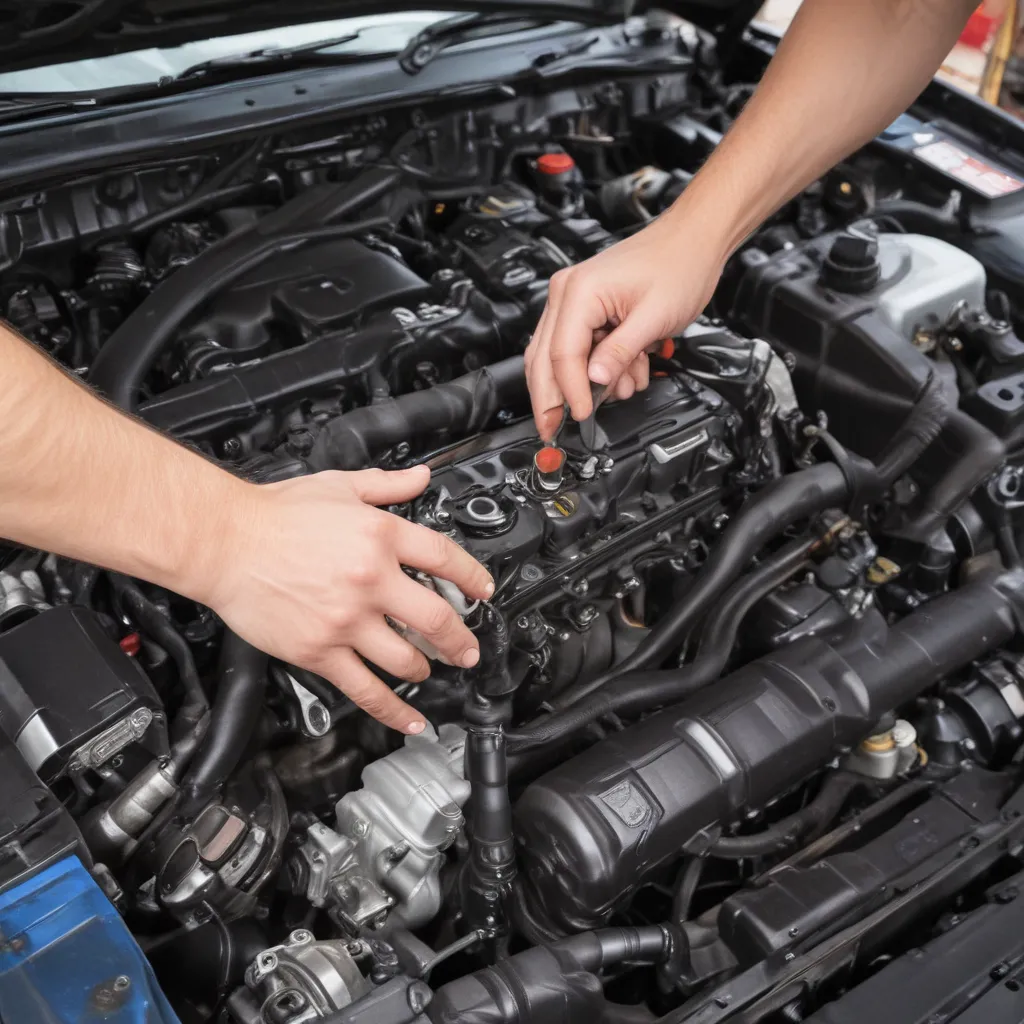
423	47
316	51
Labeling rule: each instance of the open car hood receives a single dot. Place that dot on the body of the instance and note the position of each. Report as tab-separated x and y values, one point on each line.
54	31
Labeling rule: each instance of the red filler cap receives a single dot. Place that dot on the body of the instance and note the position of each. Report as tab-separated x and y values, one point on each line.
668	349
549	460
555	163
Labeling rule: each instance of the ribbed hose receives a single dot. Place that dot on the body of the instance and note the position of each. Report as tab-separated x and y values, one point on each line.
645	691
822	810
464	405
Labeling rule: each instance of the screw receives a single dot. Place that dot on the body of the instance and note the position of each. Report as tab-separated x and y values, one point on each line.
523	622
232	448
360	827
121	982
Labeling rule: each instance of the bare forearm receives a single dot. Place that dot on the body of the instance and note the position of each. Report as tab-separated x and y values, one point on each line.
80	478
843	71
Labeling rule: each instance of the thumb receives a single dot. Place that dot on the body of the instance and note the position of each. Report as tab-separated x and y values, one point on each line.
382	487
613	356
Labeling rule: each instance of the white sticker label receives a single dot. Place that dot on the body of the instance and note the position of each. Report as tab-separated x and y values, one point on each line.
958	163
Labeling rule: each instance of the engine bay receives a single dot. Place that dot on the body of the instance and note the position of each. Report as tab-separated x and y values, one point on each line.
746	731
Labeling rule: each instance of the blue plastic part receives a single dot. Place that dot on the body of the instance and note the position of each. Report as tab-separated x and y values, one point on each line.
66	956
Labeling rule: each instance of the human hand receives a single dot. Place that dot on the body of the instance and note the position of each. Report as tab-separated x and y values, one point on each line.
603	315
312	568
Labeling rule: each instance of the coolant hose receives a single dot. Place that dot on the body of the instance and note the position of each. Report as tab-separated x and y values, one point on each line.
464	405
236	711
785	832
644	691
979	453
131	351
554	982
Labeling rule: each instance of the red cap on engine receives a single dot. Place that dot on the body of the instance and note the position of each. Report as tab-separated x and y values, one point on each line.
549	459
555	163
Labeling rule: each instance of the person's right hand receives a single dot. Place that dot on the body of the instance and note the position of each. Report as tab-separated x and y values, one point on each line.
312	568
603	315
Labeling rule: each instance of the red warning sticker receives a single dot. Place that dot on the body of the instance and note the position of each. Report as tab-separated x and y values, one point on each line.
958	163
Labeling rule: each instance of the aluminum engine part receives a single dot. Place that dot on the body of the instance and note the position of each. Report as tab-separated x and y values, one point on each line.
21	596
384	860
303	980
112	832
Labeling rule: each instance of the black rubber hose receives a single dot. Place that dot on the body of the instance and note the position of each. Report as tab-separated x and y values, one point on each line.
129	353
553	981
685	889
464	405
236	711
156	625
979	454
606	947
821	811
634	692
918	217
924	424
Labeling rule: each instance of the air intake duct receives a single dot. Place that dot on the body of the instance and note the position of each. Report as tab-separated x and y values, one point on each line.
593	829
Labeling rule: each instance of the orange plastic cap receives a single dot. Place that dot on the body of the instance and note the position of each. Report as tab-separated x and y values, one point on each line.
549	459
555	163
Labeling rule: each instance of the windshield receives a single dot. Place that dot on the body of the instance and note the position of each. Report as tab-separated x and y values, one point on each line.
378	33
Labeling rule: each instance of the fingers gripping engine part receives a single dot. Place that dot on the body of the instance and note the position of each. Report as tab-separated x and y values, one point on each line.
300	981
383	861
451	593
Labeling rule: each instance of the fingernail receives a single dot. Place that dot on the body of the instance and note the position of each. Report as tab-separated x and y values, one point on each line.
470	658
415	728
488	588
599	374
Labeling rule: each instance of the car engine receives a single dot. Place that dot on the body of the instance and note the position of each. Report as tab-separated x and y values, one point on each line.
747	725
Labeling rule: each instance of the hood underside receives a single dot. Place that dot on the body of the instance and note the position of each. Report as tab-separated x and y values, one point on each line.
54	31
